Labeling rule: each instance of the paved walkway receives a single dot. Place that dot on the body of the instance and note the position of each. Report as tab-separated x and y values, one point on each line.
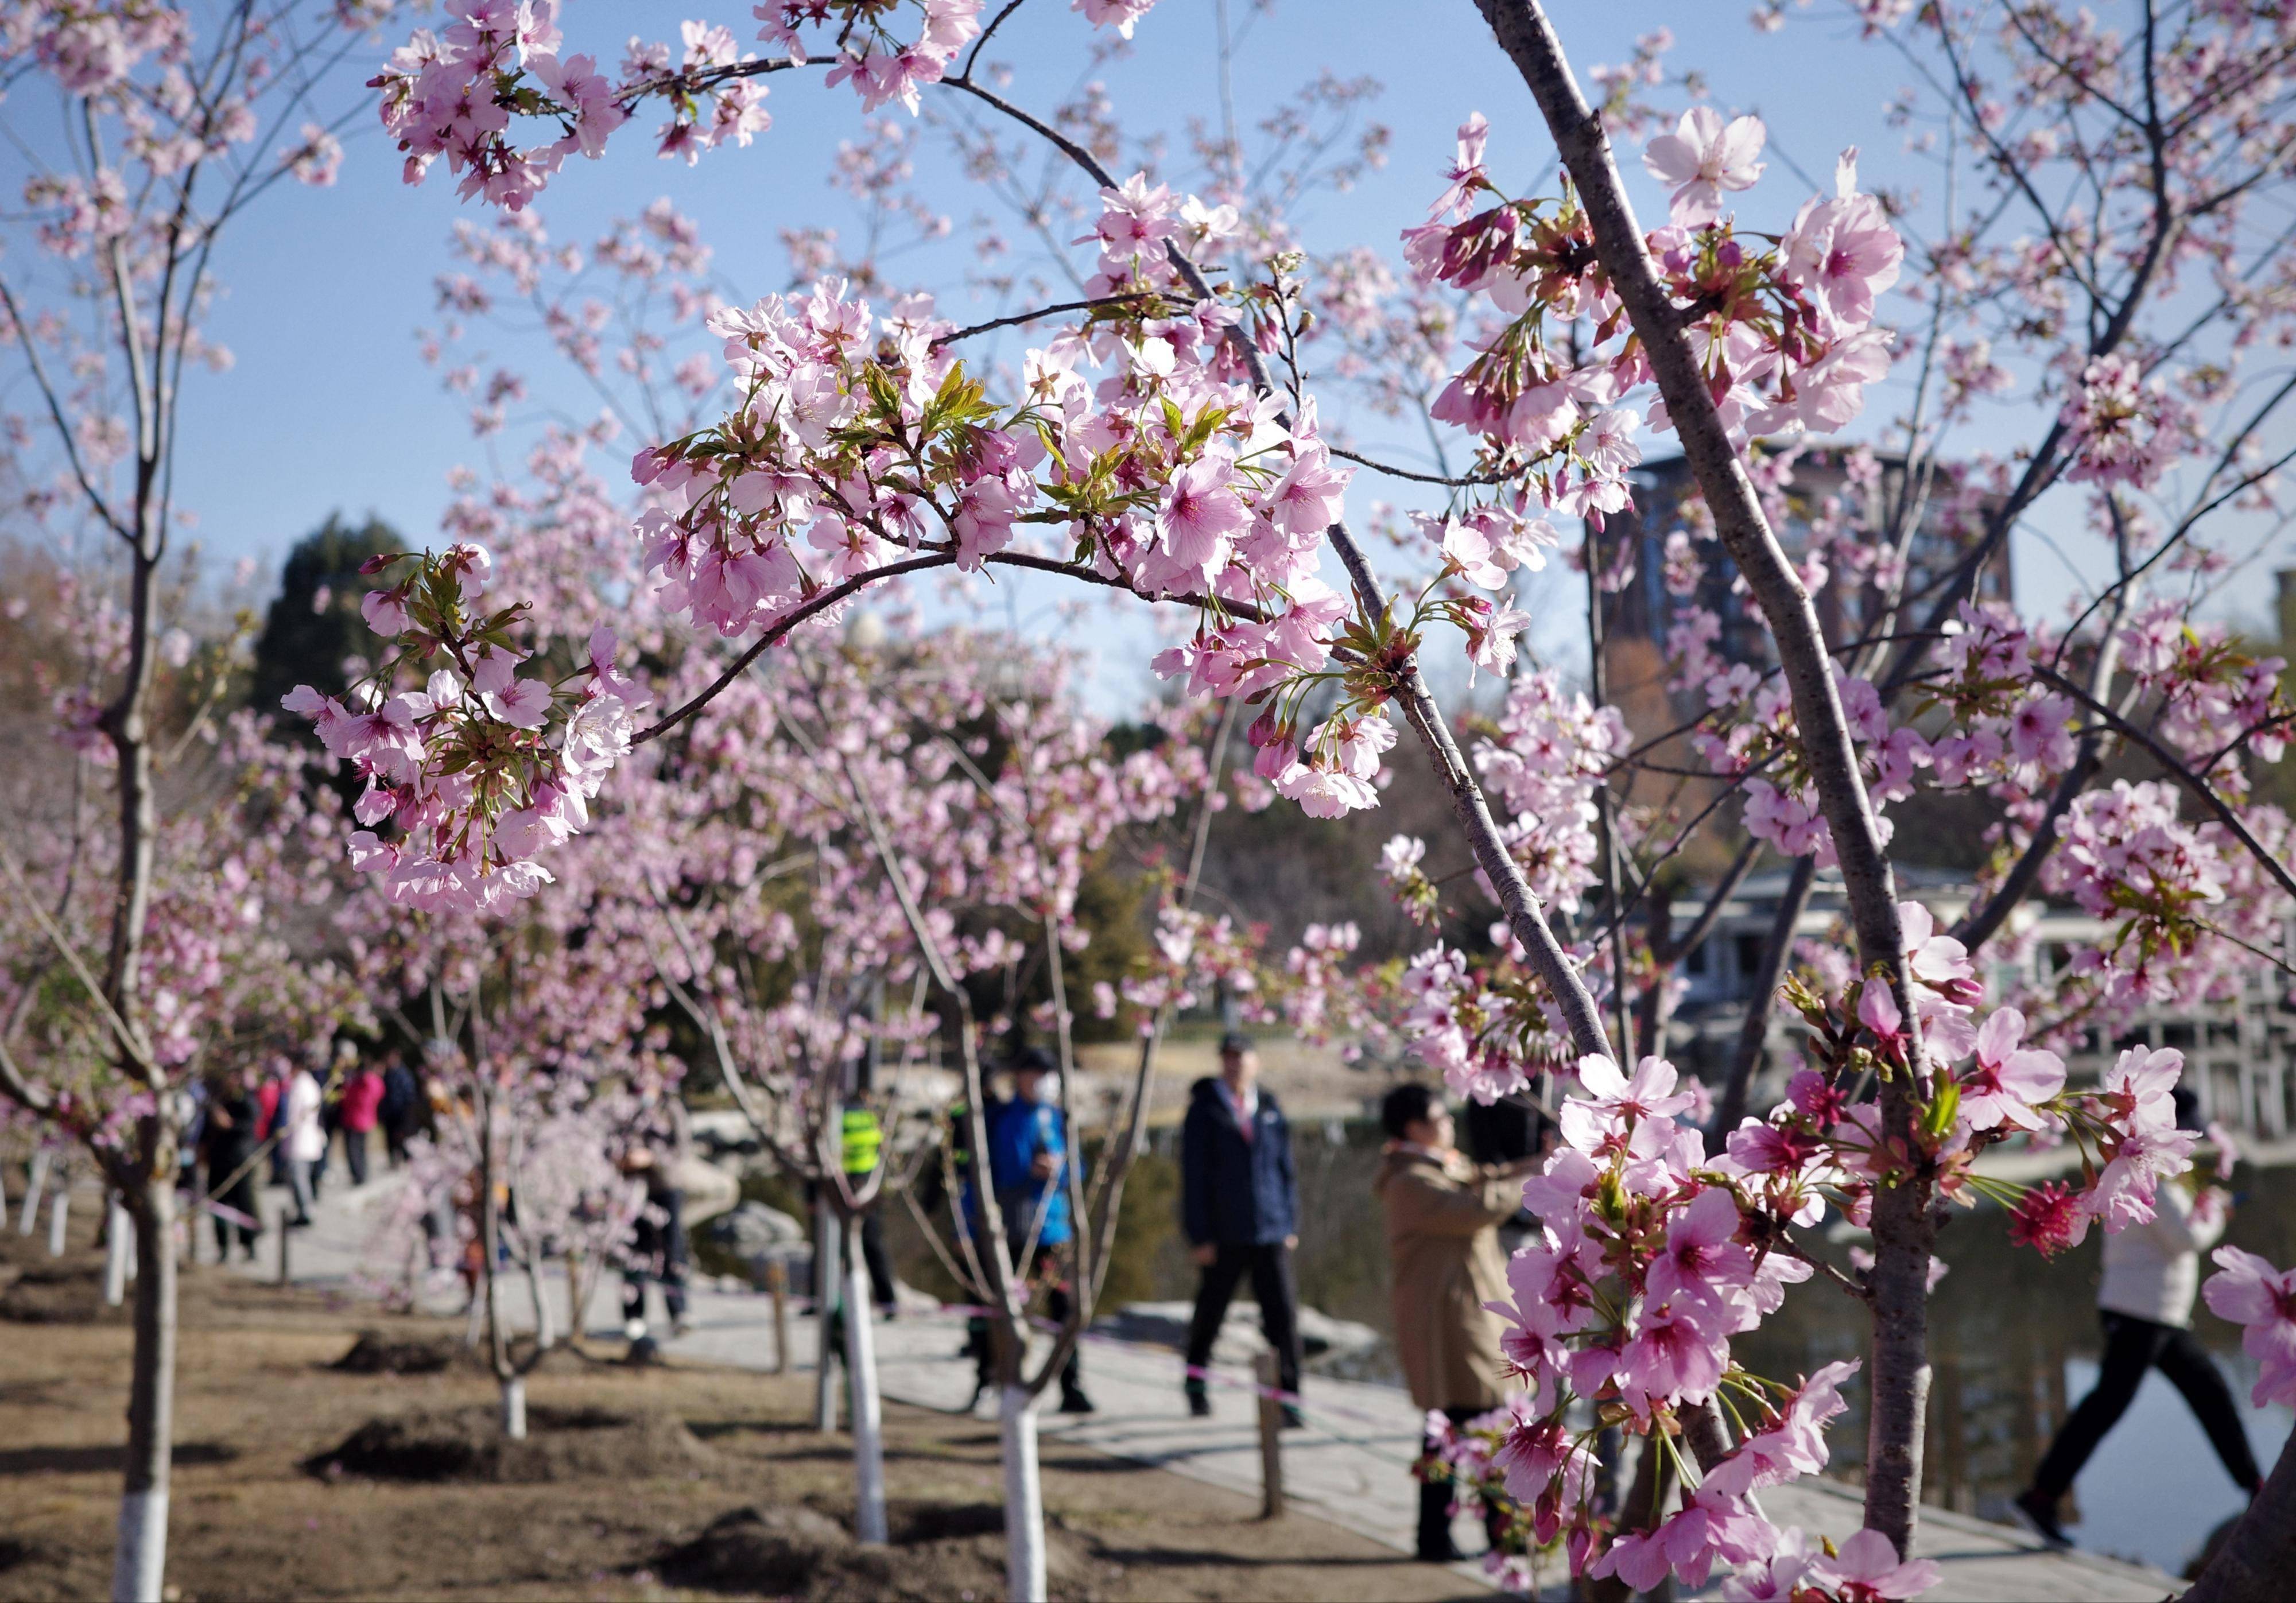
1350	1466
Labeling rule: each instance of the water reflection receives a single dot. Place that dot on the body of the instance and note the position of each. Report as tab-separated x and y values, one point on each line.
2014	1342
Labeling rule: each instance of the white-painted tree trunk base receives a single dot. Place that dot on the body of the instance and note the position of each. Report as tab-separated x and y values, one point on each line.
139	1565
825	1255
1024	1497
33	1184
545	1317
118	1252
868	1408
513	1408
59	1221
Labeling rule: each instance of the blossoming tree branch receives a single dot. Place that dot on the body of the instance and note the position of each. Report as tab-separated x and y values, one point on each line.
1166	440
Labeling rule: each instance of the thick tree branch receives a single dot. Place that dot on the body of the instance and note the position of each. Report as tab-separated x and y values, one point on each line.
1902	1230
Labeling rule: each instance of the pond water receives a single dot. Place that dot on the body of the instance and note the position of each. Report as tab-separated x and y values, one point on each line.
2014	1341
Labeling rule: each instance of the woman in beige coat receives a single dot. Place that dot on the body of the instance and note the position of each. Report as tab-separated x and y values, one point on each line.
1443	1215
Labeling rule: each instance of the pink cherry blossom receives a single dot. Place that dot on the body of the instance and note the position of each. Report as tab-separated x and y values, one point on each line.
2248	1291
1703	158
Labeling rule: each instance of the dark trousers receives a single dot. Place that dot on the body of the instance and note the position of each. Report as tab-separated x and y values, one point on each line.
2133	1345
240	1195
355	1155
1272	1283
1435	1495
327	1128
982	1345
874	1258
657	1252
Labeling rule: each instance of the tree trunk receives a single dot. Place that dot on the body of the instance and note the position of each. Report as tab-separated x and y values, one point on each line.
59	1221
577	1295
826	1239
140	1561
545	1321
1024	1495
117	1231
1899	1379
35	1180
868	1411
513	1386
2257	1555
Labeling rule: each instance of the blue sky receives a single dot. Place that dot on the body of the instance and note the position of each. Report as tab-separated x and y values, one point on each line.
328	407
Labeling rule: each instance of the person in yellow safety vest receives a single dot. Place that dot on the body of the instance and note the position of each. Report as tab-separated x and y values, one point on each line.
862	1138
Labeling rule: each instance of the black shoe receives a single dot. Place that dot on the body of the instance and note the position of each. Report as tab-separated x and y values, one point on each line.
2039	1514
1074	1401
1200	1404
1292	1419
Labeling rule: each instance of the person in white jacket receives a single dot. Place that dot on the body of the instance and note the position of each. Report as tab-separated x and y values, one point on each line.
302	1138
2152	1274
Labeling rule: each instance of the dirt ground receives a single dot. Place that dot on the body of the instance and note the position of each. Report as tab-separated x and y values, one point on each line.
296	1477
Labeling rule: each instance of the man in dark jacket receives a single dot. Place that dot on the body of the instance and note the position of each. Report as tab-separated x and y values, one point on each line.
1240	1207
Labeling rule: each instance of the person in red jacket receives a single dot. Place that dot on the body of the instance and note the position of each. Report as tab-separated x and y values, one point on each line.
361	1104
267	1095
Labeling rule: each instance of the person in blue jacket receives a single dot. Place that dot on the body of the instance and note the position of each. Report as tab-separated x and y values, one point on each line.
1028	1168
1239	1208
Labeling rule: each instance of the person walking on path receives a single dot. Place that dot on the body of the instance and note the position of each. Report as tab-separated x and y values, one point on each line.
1239	1208
659	1145
302	1140
360	1106
270	1100
228	1146
2144	1301
402	1108
1443	1215
1028	1168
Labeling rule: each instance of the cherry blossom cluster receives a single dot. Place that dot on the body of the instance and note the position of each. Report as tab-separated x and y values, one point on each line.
220	974
2249	1292
463	766
1759	743
1193	955
555	1140
2126	428
2216	702
1786	328
1550	753
1654	1256
468	92
1486	1458
1488	1029
1321	998
91	50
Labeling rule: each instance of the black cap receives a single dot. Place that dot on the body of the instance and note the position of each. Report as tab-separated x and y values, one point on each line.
1236	1043
1035	1061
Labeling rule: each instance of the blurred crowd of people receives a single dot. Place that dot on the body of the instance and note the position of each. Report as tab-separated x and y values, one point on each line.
285	1123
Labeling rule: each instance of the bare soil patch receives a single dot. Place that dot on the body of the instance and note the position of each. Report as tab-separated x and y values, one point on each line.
937	1551
560	1444
665	1482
